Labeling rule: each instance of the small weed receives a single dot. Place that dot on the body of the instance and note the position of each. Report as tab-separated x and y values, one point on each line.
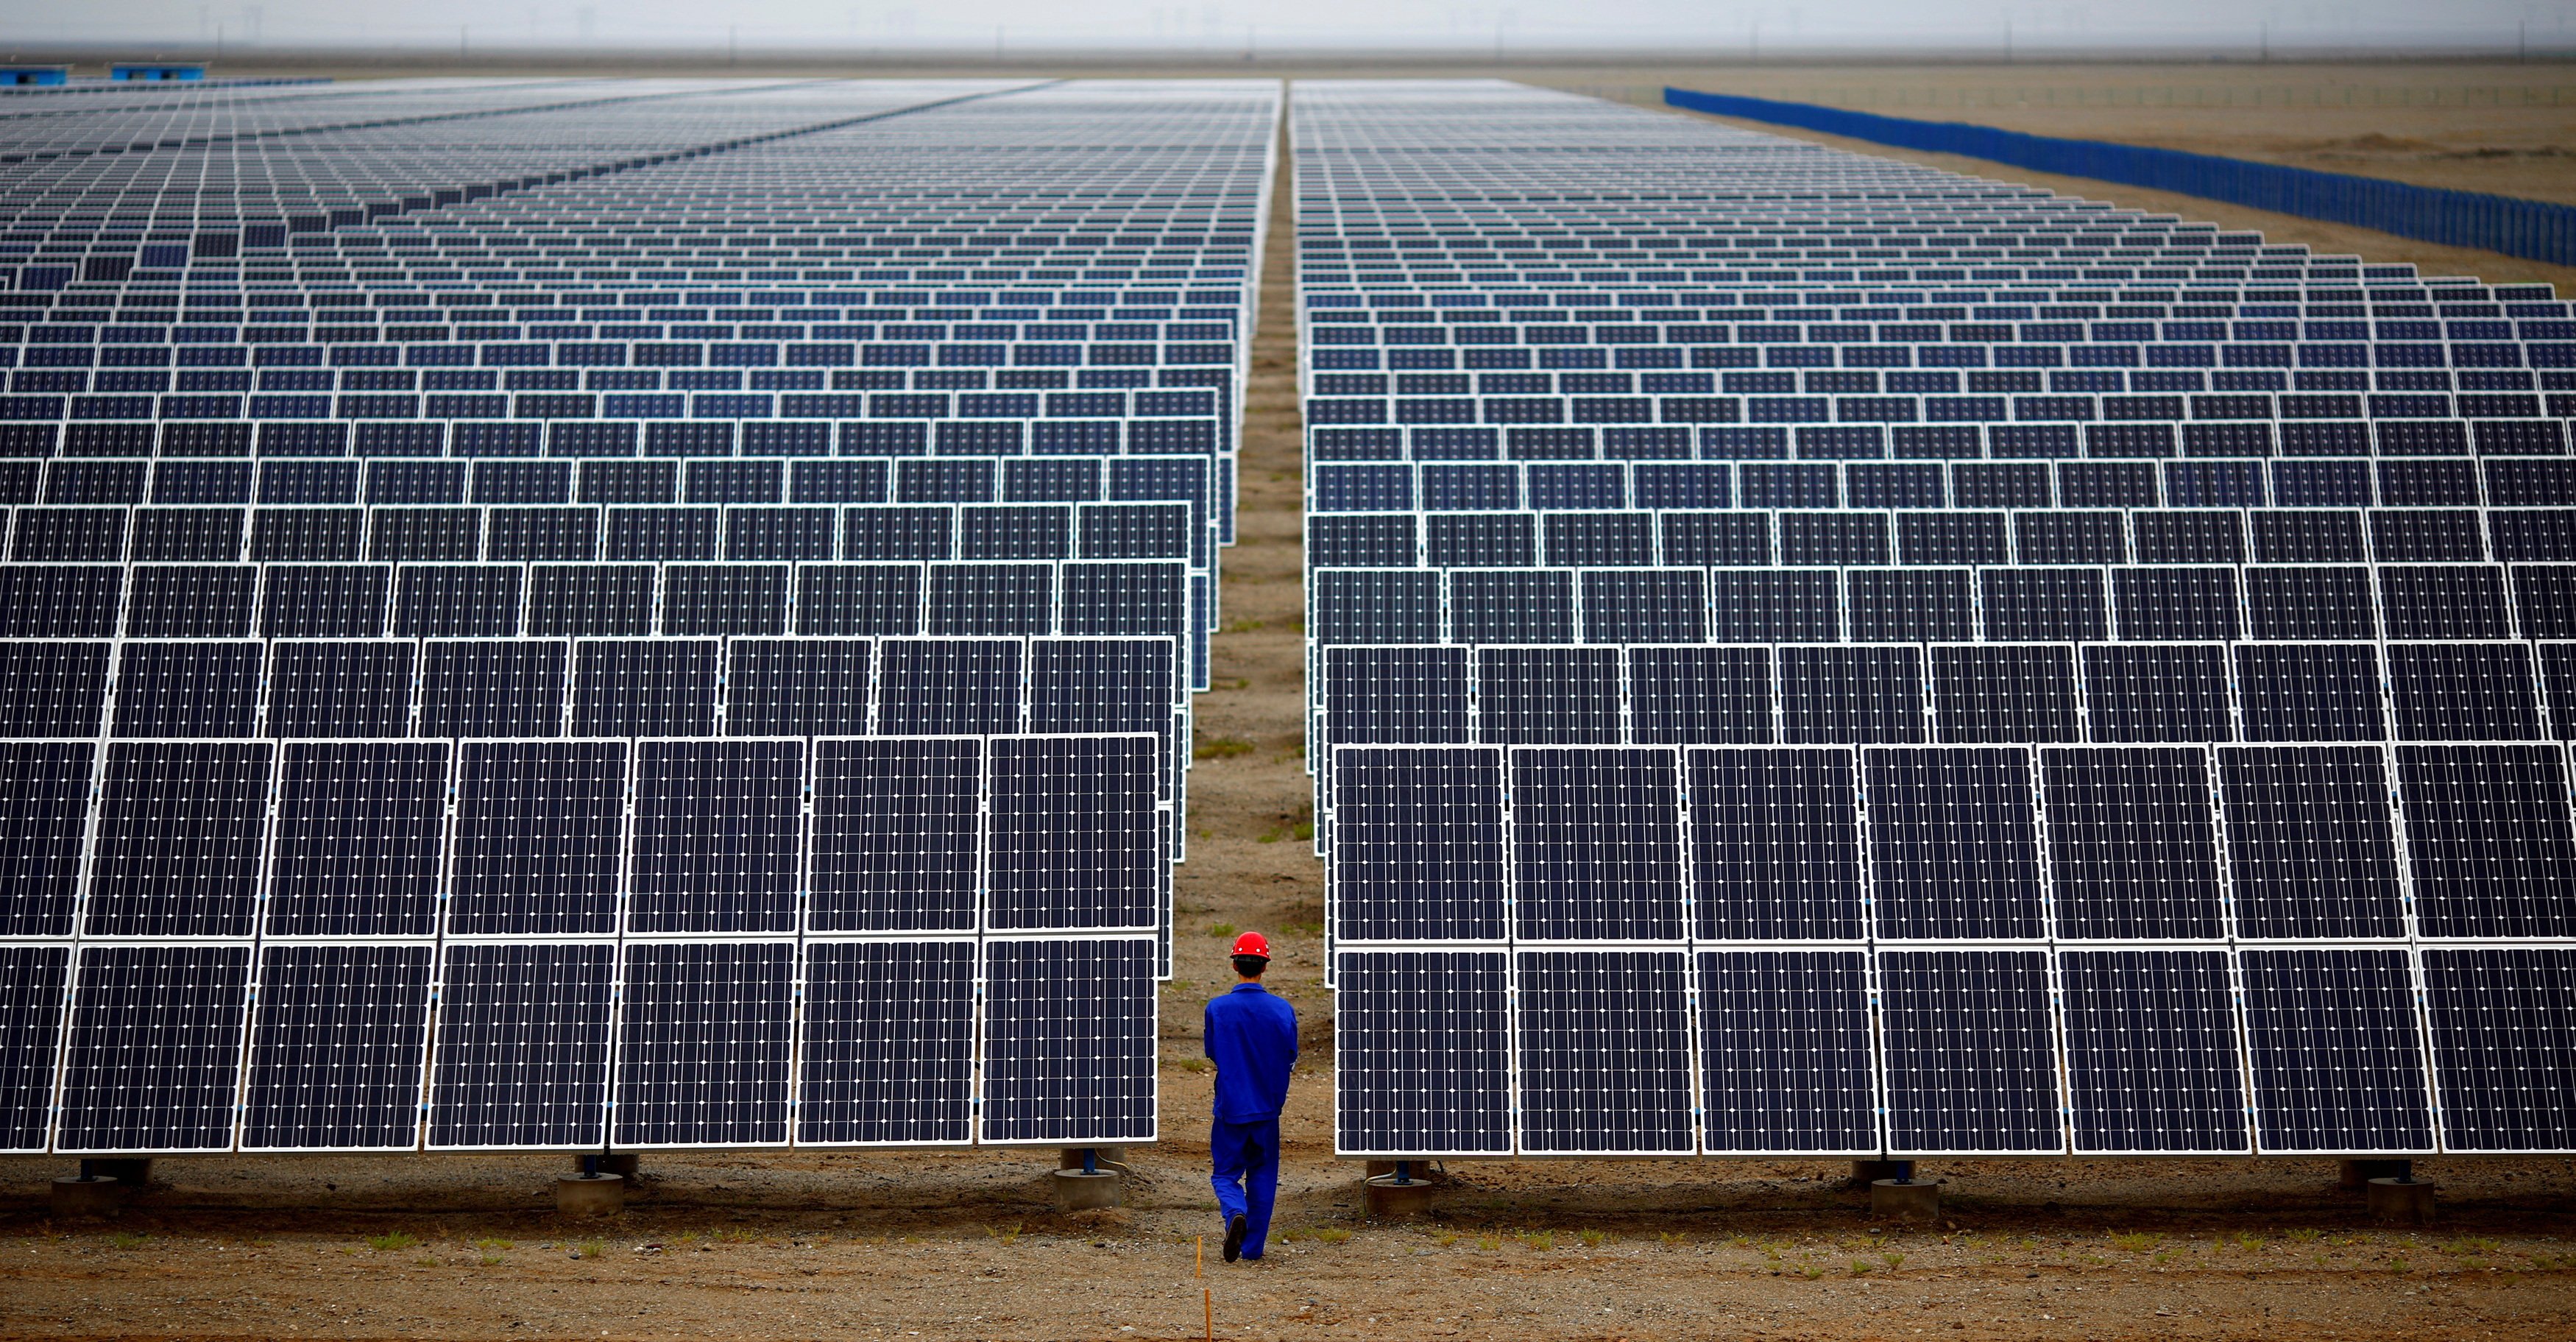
1304	829
2248	1241
1196	1065
1243	626
2095	1260
1220	747
1005	1237
1332	1235
126	1239
424	1261
1541	1240
1594	1239
1489	1243
1812	1271
2135	1241
504	1246
1220	930
491	1260
1860	1267
388	1243
2164	1256
1445	1238
1238	683
2471	1248
2302	1235
2397	1265
1672	1236
1739	1242
1893	1259
591	1249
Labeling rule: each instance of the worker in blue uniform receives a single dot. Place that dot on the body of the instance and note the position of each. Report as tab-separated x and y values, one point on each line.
1251	1035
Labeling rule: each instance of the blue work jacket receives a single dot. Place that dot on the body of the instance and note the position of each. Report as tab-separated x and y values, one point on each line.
1252	1037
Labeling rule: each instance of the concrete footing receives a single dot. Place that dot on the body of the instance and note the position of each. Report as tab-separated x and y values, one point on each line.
1391	1199
1867	1172
1078	1190
2402	1201
1914	1201
77	1197
602	1196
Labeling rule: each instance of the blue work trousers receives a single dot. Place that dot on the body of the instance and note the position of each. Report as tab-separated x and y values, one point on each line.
1246	1156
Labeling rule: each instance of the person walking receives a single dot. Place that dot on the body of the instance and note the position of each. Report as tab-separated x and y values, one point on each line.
1251	1036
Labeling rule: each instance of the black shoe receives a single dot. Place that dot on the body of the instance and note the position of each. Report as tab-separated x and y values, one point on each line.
1235	1230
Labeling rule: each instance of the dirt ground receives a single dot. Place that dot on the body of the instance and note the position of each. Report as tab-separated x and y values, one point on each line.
962	1245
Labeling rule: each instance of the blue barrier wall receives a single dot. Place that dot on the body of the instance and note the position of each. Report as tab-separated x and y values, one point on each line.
2527	228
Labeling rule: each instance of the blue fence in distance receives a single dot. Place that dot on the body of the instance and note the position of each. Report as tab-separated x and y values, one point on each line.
2532	229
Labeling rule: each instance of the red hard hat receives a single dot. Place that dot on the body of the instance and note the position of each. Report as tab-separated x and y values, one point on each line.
1252	943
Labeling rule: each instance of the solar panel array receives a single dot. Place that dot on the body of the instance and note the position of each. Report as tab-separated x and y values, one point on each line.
566	613
1816	655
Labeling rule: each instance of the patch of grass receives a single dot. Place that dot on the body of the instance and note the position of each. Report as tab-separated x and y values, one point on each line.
1812	1271
1860	1267
1220	930
491	1260
2135	1241
1593	1239
1220	747
2248	1241
1445	1238
2302	1235
126	1239
1005	1236
2164	1256
1893	1259
424	1261
2471	1248
2397	1265
1489	1243
1332	1234
591	1249
1196	1065
1243	626
1237	683
504	1246
1672	1236
389	1242
1541	1240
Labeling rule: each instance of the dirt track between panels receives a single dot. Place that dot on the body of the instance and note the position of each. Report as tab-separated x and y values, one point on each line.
962	1245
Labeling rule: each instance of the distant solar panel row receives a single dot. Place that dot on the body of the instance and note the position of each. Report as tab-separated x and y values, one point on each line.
1818	655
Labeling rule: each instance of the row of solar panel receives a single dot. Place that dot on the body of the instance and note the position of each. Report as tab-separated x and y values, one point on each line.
2042	535
818	408
1444	494
2149	412
464	533
1866	381
536	688
1650	267
2006	326
141	1048
2163	843
2144	604
1007	599
575	438
75	349
282	479
477	838
280	375
1910	1053
1737	694
325	263
2131	441
1646	300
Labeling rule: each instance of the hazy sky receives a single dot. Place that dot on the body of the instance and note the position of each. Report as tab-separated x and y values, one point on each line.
1228	24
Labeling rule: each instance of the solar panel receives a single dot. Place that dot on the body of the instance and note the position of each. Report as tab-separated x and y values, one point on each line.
885	1047
1604	1052
1787	1063
718	829
1596	852
359	838
1422	1056
2337	1057
338	1040
2152	1059
523	1037
33	983
1969	1047
1775	845
1953	843
153	1048
703	1043
2498	1019
1068	1029
2132	843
